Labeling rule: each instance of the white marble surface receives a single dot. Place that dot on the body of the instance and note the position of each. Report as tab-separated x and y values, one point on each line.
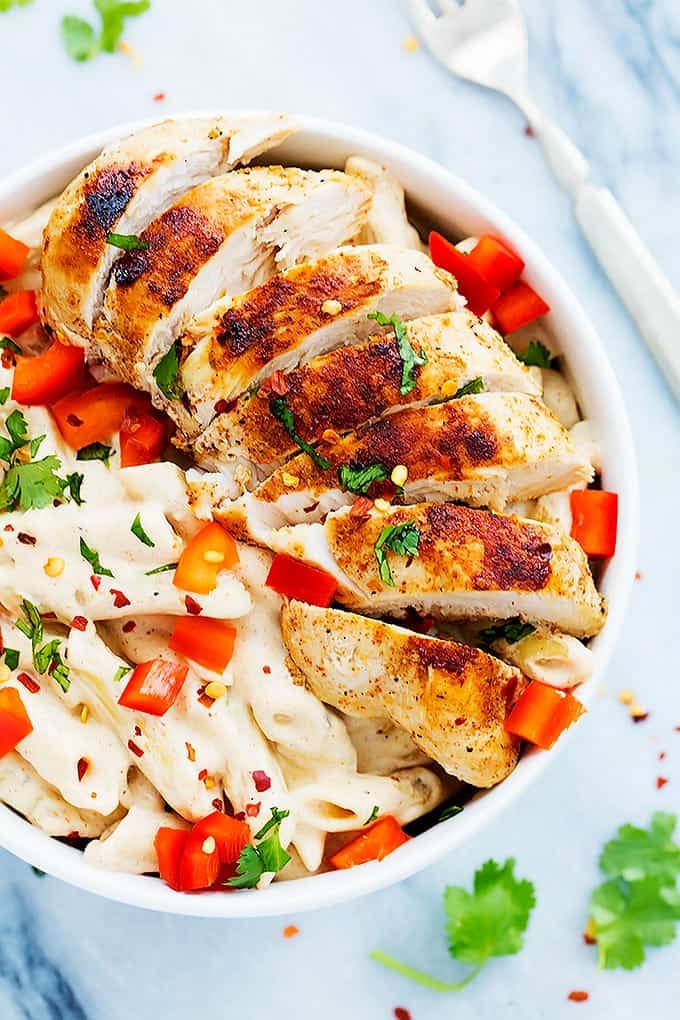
610	71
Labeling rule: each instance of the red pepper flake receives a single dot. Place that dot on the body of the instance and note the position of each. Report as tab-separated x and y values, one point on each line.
79	623
222	406
578	996
26	539
2	642
73	835
290	931
661	782
401	1014
192	605
120	599
204	700
529	131
83	766
8	527
267	670
661	755
218	804
460	720
8	359
589	939
128	626
95	581
261	780
29	683
278	384
159	97
74	420
638	575
135	749
361	507
253	810
202	775
138	732
48	616
240	816
677	729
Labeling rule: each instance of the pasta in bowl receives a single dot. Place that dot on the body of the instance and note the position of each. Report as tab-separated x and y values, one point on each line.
306	636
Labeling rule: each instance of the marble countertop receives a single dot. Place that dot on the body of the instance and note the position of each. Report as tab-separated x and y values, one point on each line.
611	73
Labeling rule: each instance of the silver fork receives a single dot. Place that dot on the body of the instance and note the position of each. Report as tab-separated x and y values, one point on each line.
485	41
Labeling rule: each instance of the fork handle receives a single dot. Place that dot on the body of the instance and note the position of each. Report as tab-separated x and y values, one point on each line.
645	291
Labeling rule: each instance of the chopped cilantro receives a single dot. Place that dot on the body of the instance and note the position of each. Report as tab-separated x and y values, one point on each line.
474	386
121	672
161	570
74	482
167	376
359	480
139	532
81	39
127	242
33	485
6	343
282	413
32	626
17	429
267	857
402	539
410	360
536	354
95	451
373	815
11	658
6	5
92	558
46	657
489	921
450	811
511	631
4	394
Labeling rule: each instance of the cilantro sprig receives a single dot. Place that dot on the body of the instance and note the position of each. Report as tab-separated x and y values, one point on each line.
402	539
359	480
267	857
279	408
489	921
639	904
81	39
410	359
27	483
46	657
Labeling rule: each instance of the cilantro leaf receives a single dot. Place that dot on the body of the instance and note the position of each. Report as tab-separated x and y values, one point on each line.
48	660
4	394
139	532
373	815
511	631
92	558
628	916
282	413
490	921
402	539
6	343
359	480
33	485
166	374
46	657
636	853
79	38
17	429
267	857
450	811
74	482
11	658
536	354
126	242
6	5
474	386
161	570
95	451
410	360
121	672
32	626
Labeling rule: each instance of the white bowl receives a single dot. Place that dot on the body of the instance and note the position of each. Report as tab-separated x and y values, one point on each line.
458	210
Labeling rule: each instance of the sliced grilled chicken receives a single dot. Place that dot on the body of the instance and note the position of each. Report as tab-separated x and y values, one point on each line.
485	450
452	699
225	236
352	385
131	183
303	312
387	222
466	564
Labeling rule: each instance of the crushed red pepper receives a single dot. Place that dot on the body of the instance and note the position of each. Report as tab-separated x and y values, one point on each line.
83	766
135	749
578	996
120	599
95	581
128	626
261	780
79	623
253	810
661	782
29	683
26	539
401	1014
192	605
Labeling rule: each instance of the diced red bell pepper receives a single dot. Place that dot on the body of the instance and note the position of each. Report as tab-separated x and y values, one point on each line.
13	255
18	311
210	551
154	686
480	295
299	580
208	642
594	521
199	867
15	723
49	376
518	307
169	845
230	834
542	713
143	437
496	262
96	414
372	845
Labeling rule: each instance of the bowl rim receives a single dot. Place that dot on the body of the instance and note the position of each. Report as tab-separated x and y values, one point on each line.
42	851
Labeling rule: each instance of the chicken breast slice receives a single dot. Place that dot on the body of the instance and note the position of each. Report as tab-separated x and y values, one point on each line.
131	183
225	236
303	312
353	385
485	450
452	699
387	222
469	564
